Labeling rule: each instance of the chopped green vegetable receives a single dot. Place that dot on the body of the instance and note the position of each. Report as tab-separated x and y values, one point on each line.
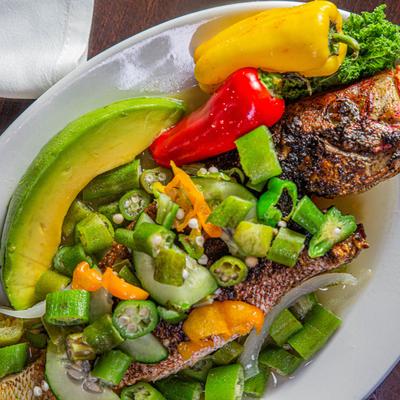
268	211
68	257
11	330
50	281
13	359
102	335
95	233
379	41
286	247
225	382
141	391
280	360
303	305
109	210
68	307
128	276
308	215
256	386
150	238
111	367
37	340
199	371
100	304
135	318
227	354
323	319
176	389
110	185
258	156
230	212
78	349
133	203
76	213
253	239
171	316
284	326
169	266
334	229
166	210
150	176
229	271
192	244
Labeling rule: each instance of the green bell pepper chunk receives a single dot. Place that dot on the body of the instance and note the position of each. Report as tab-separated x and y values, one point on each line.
253	239
267	206
280	360
308	215
230	212
284	326
286	247
258	156
335	228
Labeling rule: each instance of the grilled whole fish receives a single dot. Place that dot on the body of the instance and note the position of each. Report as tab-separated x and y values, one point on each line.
340	142
265	286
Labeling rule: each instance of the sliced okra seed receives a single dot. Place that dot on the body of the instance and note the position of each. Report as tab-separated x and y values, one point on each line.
132	327
124	320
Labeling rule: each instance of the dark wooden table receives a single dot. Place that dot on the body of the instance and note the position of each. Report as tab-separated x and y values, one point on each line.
115	20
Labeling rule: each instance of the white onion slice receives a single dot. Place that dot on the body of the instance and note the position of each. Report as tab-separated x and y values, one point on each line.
36	311
254	342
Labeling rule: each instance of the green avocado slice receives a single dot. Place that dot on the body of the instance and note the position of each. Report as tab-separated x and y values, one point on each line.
89	146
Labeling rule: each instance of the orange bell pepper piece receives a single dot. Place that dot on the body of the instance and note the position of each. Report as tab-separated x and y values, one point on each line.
199	207
86	278
121	289
187	349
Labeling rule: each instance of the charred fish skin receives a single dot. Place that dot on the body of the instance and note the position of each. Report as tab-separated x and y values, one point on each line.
345	141
266	284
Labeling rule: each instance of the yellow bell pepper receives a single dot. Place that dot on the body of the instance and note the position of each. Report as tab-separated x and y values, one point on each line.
299	39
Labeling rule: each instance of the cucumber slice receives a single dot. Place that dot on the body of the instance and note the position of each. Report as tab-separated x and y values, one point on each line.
146	349
196	286
63	387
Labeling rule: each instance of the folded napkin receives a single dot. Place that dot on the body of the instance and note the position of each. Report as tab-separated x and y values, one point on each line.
40	42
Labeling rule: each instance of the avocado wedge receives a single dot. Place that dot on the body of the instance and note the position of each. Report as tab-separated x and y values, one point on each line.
89	146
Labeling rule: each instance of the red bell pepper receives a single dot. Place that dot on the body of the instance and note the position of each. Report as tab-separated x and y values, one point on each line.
239	105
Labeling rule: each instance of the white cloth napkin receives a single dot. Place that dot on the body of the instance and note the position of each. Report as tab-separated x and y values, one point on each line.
40	42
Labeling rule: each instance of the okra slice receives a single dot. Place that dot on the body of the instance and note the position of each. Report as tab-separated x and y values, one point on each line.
176	389
78	349
169	266
308	215
135	318
50	281
229	271
95	233
256	386
68	307
13	359
286	247
323	319
11	330
171	316
133	203
150	176
335	228
109	211
258	156
76	213
68	257
150	238
102	335
192	245
230	212
199	371
111	367
111	185
280	360
141	391
284	326
225	383
253	239
37	340
227	354
166	210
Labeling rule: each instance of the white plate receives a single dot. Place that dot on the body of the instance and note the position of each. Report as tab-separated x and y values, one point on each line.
159	61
